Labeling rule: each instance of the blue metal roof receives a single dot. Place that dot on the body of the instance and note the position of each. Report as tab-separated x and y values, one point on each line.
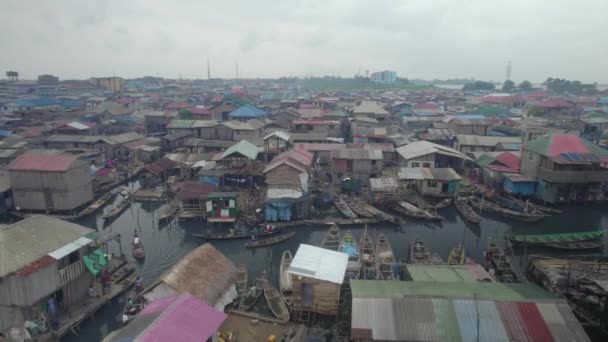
72	103
37	102
247	111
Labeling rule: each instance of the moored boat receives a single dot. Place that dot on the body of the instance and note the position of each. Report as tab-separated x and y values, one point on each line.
413	211
285	285
344	208
273	240
331	240
385	259
544	239
98	204
498	264
239	234
576	246
275	302
419	254
348	245
467	212
241	281
357	208
119	209
497	209
138	251
254	293
457	255
368	255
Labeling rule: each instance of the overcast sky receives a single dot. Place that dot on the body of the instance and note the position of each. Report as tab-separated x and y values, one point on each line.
417	38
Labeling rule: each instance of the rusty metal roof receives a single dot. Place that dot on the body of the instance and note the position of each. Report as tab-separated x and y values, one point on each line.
44	162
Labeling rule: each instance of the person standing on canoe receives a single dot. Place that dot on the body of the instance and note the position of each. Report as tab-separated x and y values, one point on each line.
135	239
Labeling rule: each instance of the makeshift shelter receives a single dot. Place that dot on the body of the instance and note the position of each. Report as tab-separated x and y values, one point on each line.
441	182
205	273
317	275
383	189
221	206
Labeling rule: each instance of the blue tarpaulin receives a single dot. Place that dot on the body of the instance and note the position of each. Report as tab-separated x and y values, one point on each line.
276	211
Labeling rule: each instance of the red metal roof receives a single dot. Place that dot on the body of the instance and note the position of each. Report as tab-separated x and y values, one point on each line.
502	99
427	106
178	105
41	263
194	190
508	159
125	100
199	110
160	165
555	103
306	106
42	162
535	324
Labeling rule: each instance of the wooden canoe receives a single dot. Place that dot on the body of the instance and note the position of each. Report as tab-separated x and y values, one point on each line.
241	281
239	234
119	209
270	241
385	259
379	213
457	255
413	211
477	203
98	204
275	302
467	212
331	240
419	254
348	245
544	239
138	251
344	208
253	294
357	208
574	246
285	285
367	251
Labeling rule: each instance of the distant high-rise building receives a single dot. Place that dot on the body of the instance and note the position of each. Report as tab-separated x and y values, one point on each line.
113	84
384	77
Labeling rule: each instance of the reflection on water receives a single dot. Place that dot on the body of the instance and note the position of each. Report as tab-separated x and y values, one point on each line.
167	244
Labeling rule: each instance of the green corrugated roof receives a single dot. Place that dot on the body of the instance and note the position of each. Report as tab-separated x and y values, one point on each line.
440	273
446	321
484	160
177	123
244	148
463	290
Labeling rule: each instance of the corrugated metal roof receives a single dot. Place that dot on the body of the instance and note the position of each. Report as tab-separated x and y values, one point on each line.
514	325
479	140
407	173
33	238
535	325
44	162
70	247
490	327
356	154
423	148
370	107
574	328
443	273
319	263
446	320
467	318
244	148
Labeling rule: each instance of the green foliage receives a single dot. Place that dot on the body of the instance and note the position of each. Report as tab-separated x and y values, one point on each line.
536	112
564	86
525	86
478	85
508	86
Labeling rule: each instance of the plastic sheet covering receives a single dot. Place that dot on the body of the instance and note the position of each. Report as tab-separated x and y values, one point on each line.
349	249
278	211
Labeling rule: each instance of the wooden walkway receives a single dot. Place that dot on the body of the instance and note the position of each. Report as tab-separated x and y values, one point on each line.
76	316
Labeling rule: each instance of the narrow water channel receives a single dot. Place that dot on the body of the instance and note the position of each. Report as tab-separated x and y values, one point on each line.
166	244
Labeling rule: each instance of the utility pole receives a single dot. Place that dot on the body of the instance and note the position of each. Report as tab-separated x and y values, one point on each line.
208	70
508	78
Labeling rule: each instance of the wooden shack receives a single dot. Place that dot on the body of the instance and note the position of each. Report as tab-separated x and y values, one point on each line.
221	207
317	275
384	189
